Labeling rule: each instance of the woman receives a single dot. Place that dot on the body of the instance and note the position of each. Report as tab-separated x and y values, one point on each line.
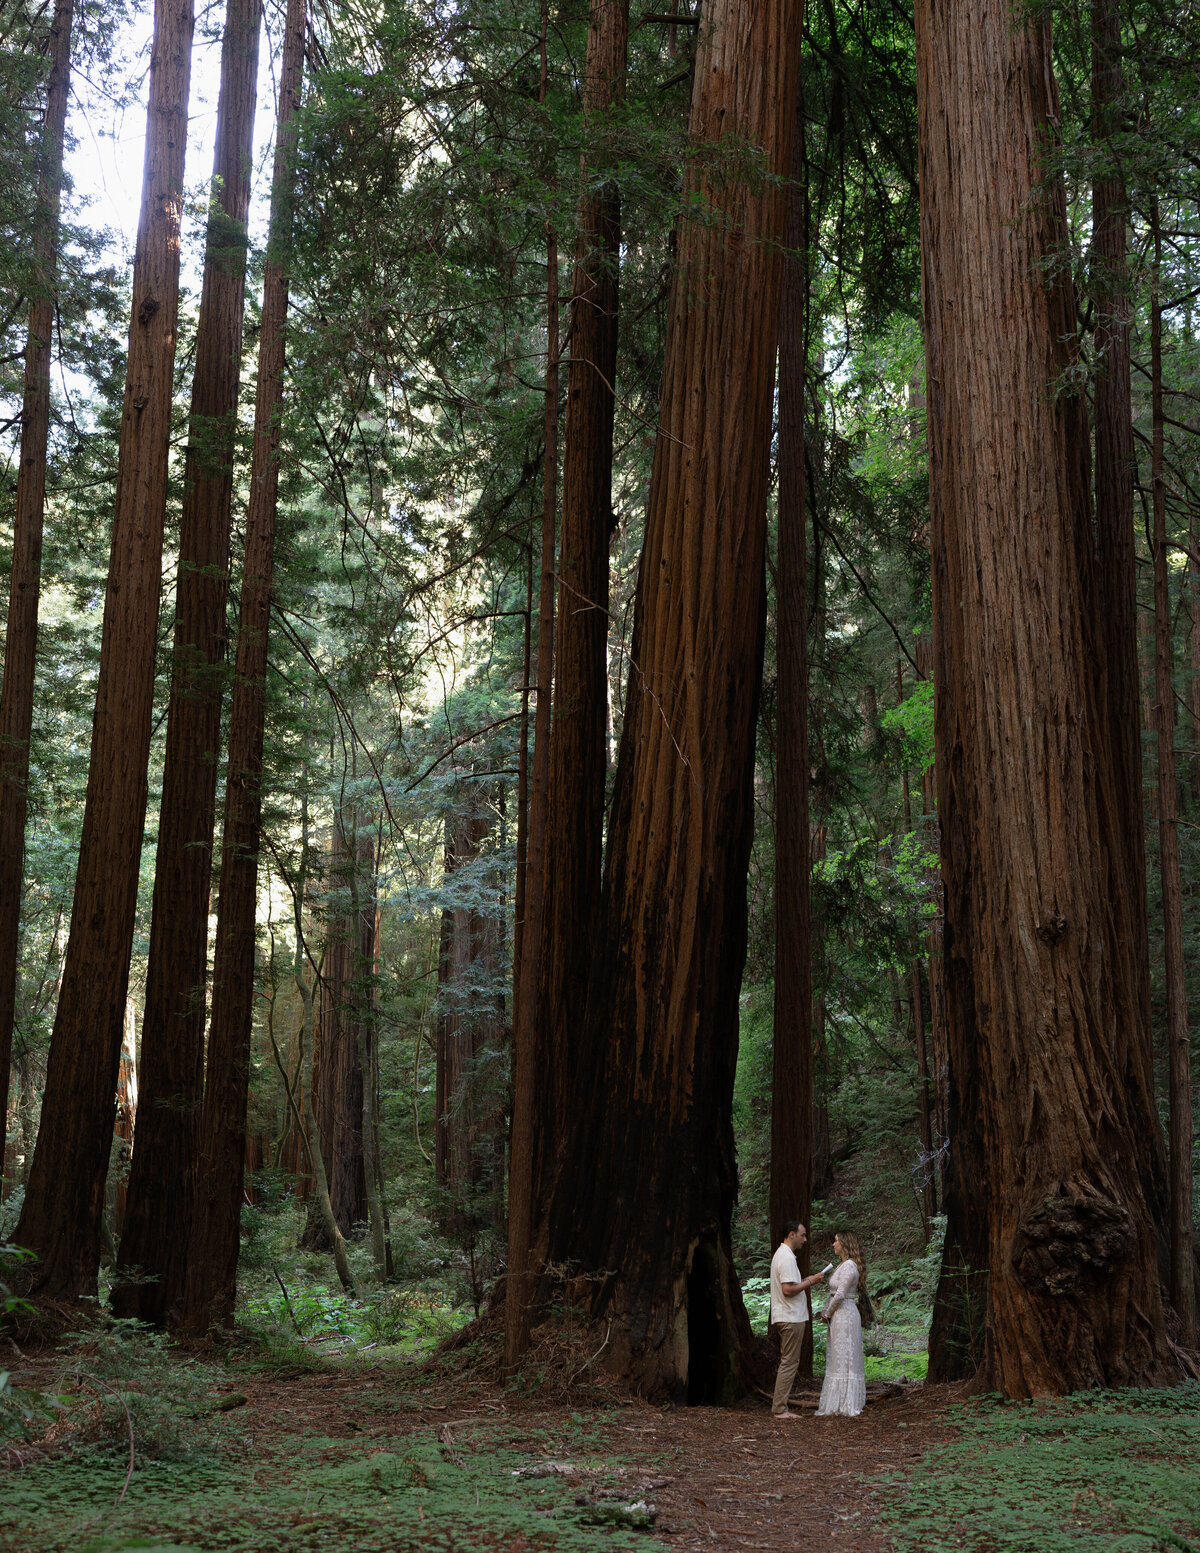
845	1388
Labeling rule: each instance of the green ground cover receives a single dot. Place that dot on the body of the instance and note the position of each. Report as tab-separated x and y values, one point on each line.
1103	1472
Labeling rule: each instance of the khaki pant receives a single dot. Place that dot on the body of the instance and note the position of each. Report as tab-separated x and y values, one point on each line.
791	1340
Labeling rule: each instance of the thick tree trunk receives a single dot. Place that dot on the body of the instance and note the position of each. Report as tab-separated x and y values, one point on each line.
25	577
1183	1294
578	744
60	1220
1050	1115
525	1076
792	1064
211	1275
644	1200
154	1242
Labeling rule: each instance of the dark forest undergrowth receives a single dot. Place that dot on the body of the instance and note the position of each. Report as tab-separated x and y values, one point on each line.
270	1448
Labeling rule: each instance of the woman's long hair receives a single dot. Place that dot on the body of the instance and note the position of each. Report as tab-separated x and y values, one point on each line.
853	1250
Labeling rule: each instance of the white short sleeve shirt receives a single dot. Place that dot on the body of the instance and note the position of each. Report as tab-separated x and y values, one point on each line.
785	1269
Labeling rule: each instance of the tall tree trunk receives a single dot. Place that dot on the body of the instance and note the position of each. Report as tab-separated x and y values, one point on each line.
60	1220
792	1065
154	1242
1183	1293
25	578
644	1200
1050	1114
916	1003
578	743
211	1275
525	1077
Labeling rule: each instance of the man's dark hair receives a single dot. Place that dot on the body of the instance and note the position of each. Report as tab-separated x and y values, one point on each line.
792	1226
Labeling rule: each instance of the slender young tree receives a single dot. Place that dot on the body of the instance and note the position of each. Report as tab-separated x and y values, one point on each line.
578	740
211	1274
154	1242
1050	1112
644	1198
20	641
1183	1294
60	1219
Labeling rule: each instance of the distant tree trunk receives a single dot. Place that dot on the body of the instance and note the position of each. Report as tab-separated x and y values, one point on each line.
60	1220
1183	1293
25	577
337	1084
644	1199
366	988
578	743
523	792
1049	1234
1194	637
154	1241
211	1276
523	1130
792	1066
126	1125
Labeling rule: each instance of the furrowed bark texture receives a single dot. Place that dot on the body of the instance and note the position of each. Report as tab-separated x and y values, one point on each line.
644	1199
1049	1112
25	577
60	1219
523	1134
578	741
1183	1292
518	1289
792	1063
1116	553
172	1071
211	1273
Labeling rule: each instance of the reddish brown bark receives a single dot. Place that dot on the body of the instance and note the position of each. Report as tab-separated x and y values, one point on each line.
1183	1293
211	1273
60	1220
643	1203
792	1060
156	1223
24	588
1049	1115
578	740
523	1130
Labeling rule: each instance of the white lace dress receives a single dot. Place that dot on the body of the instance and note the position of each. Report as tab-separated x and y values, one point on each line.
845	1388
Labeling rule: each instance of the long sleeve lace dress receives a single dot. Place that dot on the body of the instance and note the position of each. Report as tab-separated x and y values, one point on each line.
845	1388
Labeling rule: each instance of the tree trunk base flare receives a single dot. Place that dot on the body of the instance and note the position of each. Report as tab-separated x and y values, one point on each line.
1051	1118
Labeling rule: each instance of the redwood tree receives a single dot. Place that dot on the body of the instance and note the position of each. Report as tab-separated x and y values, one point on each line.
60	1219
211	1272
644	1199
154	1241
25	577
792	1062
578	742
1050	1116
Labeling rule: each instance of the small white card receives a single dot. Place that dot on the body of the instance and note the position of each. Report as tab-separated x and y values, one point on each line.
828	1268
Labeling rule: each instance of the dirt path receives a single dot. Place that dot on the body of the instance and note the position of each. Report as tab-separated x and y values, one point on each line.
719	1478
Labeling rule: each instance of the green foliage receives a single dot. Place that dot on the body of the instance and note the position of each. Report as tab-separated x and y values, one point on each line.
1100	1472
913	721
376	1496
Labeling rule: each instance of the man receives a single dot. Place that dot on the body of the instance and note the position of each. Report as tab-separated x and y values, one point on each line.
789	1312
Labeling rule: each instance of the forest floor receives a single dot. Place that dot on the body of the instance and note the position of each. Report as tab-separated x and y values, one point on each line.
248	1456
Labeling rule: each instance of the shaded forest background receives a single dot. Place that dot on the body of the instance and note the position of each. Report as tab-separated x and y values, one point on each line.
435	149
